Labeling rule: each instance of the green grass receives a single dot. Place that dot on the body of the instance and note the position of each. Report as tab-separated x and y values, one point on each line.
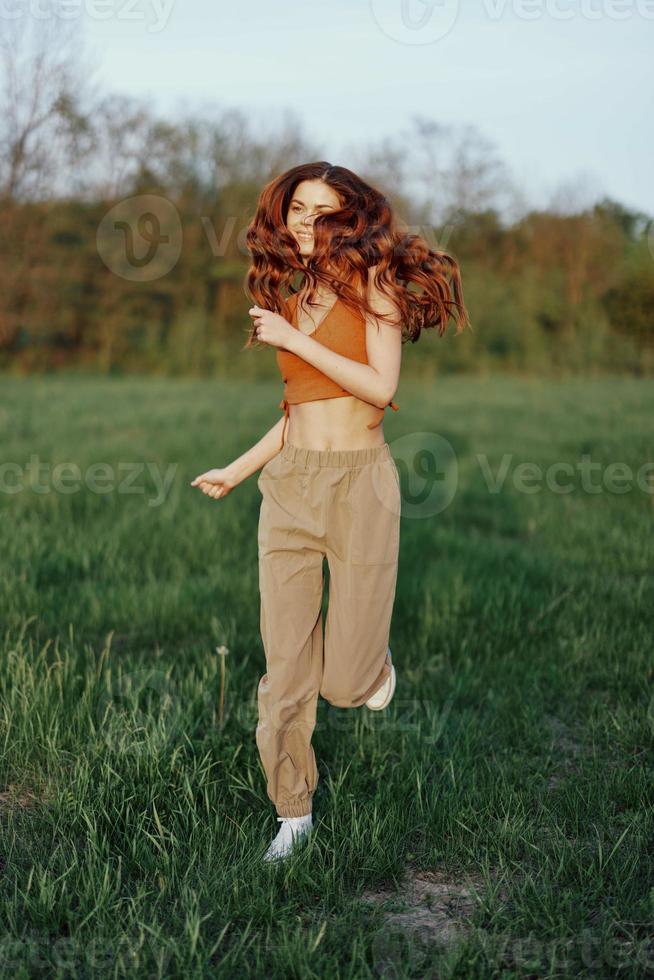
516	755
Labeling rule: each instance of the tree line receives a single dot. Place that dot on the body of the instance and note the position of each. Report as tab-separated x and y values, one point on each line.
123	234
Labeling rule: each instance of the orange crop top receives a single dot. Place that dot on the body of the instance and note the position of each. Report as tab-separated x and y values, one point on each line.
343	331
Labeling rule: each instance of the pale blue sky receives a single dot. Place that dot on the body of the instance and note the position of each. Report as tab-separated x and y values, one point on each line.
562	88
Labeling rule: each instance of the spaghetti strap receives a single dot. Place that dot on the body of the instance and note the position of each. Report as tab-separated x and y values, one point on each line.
342	331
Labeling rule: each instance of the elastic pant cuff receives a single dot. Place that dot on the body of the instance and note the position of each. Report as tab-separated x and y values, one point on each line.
294	809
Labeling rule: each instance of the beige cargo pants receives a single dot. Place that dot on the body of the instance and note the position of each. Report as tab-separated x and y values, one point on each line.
343	505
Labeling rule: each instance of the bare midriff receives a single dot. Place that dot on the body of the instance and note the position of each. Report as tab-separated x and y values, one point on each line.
337	422
334	423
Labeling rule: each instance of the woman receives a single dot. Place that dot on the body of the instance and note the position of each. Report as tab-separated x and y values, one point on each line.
331	488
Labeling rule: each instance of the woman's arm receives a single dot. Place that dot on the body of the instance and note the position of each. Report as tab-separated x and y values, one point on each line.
362	380
218	482
375	382
258	454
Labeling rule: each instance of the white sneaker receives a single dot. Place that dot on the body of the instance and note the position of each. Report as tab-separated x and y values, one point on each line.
381	698
292	830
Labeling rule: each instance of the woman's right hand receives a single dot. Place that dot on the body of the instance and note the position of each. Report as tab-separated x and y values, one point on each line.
215	483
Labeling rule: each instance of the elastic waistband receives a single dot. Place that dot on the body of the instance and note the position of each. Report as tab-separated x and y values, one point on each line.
335	457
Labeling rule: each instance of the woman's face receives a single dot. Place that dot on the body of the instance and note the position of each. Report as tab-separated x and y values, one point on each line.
310	198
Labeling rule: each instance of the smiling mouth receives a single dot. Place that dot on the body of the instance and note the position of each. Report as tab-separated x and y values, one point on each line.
304	237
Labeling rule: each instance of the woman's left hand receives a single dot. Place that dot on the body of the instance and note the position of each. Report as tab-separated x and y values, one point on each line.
271	328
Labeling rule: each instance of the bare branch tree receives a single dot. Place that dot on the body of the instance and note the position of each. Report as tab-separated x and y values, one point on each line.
43	129
456	170
43	133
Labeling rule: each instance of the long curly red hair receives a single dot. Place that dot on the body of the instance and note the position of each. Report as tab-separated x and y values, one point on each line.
347	242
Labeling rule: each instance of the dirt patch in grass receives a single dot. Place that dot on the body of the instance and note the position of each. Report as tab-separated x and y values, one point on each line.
15	796
569	748
431	906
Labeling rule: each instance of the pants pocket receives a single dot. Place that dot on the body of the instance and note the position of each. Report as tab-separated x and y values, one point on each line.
267	469
375	505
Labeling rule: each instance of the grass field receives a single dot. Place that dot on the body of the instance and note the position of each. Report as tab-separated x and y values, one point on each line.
495	821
